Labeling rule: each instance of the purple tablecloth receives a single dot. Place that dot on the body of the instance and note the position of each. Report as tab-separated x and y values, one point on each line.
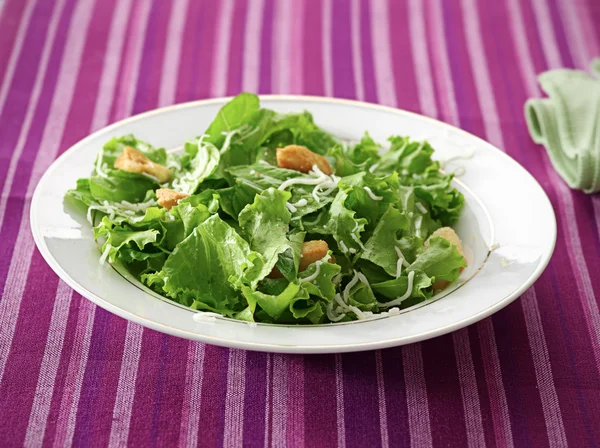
73	374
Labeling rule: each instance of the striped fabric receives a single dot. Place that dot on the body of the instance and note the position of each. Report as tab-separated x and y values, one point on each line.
73	374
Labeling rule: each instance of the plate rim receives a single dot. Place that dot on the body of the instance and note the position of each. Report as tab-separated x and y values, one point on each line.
275	347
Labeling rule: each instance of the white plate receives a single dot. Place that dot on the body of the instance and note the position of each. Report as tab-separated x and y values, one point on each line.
508	229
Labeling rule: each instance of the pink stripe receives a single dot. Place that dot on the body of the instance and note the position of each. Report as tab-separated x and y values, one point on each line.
119	432
279	401
252	39
16	52
112	61
268	400
339	393
383	421
547	36
233	432
468	388
31	108
568	217
24	245
418	39
535	331
359	85
591	43
190	418
296	62
65	426
326	42
281	47
483	84
574	30
543	370
440	61
52	353
170	70
416	396
131	67
225	18
295	407
464	359
382	54
493	378
498	403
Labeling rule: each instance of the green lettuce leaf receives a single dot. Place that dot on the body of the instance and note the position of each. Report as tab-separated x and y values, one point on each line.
440	260
265	222
380	249
210	266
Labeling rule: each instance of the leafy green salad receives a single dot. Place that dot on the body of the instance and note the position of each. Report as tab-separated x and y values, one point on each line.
266	217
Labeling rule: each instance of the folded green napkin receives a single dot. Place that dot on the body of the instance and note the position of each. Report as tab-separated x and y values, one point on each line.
567	123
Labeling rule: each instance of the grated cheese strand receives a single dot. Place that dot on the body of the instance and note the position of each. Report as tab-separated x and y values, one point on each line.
403	297
313	276
373	195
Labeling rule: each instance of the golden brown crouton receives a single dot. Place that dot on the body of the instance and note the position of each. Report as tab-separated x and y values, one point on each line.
300	158
311	251
449	235
169	198
134	161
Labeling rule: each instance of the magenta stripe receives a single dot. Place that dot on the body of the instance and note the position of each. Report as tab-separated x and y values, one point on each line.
266	49
236	48
148	387
343	72
443	389
360	392
295	405
255	399
16	397
10	20
395	397
320	418
313	55
213	396
368	72
148	84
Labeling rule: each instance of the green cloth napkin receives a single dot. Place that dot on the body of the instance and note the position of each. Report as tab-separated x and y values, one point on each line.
567	123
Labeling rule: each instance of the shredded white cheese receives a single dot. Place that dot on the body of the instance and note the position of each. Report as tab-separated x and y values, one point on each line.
204	316
373	167
401	255
330	313
313	276
343	246
105	253
349	286
290	207
403	297
99	167
373	195
418	222
363	279
300	203
227	142
421	208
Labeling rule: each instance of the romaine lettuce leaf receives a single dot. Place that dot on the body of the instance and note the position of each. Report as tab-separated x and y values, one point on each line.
440	260
210	266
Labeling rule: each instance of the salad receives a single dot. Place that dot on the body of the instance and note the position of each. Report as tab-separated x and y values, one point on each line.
268	218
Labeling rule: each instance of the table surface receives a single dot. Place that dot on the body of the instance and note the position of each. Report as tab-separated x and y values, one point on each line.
73	374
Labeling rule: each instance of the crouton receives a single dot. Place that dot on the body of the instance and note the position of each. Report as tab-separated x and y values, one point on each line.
311	251
300	158
134	161
449	235
169	198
